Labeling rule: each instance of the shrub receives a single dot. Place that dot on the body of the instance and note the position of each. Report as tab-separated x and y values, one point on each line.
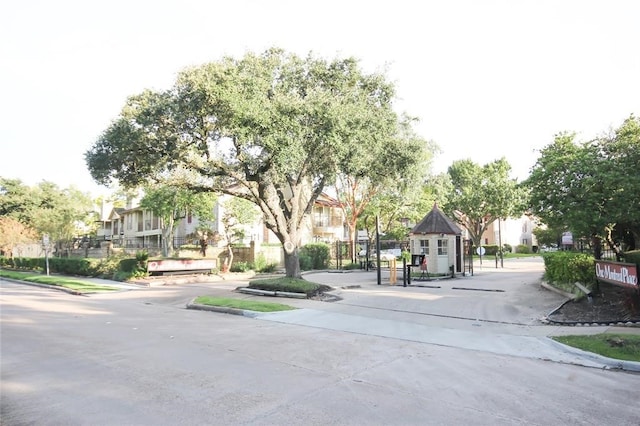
240	267
306	263
563	268
319	254
490	250
351	266
522	248
293	285
507	248
261	265
632	257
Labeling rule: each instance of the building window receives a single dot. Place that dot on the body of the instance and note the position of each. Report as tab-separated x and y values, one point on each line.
443	247
424	247
321	217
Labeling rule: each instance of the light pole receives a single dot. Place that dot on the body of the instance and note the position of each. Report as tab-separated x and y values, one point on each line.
500	243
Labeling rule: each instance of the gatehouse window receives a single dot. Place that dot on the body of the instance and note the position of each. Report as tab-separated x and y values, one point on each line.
443	247
424	247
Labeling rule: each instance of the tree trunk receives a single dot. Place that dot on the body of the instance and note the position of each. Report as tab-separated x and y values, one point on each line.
228	259
292	263
597	247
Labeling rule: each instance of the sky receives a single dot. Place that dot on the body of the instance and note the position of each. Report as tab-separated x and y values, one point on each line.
487	79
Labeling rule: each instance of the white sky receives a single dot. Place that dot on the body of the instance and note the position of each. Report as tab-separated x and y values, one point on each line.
486	78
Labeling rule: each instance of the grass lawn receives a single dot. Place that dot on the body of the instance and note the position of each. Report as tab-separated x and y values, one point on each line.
70	283
618	346
249	305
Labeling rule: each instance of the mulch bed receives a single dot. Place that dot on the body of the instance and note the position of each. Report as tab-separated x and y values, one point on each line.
612	304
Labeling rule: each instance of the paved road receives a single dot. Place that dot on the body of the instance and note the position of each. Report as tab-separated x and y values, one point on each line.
381	355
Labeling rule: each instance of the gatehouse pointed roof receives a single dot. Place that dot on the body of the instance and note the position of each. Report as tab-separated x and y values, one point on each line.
436	222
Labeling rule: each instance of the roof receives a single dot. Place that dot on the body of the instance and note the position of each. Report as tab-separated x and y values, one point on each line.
326	200
436	222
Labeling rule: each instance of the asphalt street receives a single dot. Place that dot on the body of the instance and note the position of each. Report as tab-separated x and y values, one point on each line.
473	350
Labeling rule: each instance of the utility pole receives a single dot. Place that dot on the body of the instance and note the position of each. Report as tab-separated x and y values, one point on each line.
378	250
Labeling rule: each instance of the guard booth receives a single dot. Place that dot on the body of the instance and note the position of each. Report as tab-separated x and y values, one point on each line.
438	240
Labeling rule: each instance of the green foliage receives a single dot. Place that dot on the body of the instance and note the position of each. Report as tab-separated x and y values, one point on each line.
490	249
273	128
240	267
320	254
306	262
564	268
610	345
507	248
110	268
250	305
351	266
261	265
586	187
73	284
172	202
293	285
523	248
483	194
128	265
61	213
632	256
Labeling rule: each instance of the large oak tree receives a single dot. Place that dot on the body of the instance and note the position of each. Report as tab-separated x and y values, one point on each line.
273	128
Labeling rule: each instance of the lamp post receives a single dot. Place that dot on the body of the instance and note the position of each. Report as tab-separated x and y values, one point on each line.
378	250
500	243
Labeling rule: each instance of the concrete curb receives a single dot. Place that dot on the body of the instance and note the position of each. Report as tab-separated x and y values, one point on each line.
221	309
259	292
48	286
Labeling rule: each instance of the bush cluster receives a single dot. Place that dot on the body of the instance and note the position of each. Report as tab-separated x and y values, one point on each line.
563	268
315	256
113	267
293	285
261	265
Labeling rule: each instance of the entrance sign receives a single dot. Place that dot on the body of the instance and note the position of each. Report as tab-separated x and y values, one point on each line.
624	274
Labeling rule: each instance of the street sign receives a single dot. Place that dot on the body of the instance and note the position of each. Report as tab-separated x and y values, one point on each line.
480	251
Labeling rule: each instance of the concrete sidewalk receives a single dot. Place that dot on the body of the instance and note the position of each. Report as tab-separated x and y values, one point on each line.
535	347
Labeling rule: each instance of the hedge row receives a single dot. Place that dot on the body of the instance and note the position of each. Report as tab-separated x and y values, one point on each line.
564	268
105	268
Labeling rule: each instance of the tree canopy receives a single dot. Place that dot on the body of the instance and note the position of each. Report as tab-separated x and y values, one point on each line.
272	128
45	208
171	203
388	175
482	194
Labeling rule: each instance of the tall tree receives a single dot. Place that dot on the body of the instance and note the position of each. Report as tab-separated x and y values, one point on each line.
63	214
171	203
272	128
482	194
589	187
17	200
13	233
238	213
391	170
